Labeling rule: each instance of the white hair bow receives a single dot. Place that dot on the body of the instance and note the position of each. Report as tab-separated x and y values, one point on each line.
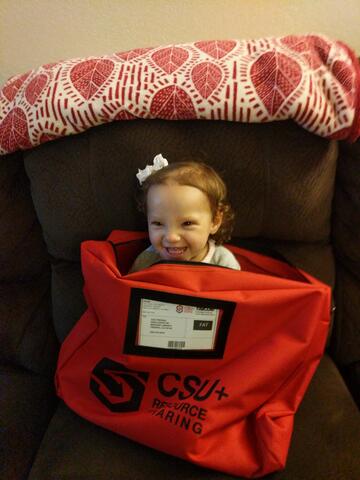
158	163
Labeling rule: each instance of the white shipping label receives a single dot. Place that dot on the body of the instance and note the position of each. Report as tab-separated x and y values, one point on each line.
168	325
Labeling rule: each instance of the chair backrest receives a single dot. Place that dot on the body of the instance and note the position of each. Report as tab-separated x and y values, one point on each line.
280	178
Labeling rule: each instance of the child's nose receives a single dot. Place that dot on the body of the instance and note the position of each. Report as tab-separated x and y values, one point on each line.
172	236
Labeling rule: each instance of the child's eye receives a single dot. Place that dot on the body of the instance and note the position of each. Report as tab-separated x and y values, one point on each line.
156	224
188	223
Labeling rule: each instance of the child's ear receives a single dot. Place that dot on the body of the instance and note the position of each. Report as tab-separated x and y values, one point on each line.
217	221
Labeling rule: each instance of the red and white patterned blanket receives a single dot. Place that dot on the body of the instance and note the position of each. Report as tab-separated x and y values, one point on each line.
311	79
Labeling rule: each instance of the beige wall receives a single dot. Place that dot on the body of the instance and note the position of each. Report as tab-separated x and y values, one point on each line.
33	32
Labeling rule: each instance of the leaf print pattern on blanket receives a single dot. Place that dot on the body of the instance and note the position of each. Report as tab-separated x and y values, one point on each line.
310	79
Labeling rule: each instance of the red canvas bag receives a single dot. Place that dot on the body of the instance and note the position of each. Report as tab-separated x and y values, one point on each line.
199	361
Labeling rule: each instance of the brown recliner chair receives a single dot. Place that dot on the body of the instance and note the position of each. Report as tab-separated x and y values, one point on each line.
293	192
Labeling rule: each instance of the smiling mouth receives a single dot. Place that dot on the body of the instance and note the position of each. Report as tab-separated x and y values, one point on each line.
175	251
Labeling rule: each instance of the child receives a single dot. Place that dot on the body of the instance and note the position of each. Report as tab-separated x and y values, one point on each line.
188	214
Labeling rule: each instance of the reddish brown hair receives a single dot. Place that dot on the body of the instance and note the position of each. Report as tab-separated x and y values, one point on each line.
206	179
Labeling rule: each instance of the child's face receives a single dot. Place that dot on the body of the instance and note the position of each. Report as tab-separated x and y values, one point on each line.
180	221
